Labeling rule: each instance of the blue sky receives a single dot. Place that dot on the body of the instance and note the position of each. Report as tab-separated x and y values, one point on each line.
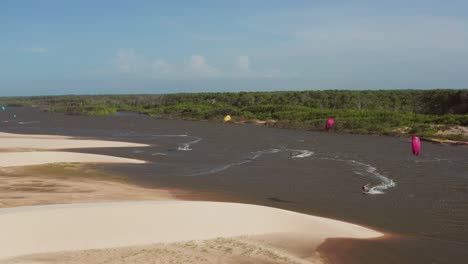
92	47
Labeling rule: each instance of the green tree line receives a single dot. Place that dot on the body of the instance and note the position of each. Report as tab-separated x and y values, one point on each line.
370	111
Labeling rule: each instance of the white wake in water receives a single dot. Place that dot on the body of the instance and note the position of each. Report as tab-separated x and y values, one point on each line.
186	146
300	153
368	170
295	154
255	155
183	146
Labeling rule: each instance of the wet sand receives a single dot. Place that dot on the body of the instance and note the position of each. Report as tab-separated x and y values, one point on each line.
427	210
68	183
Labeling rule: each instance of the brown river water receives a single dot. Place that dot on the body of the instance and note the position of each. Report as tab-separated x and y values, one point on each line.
420	202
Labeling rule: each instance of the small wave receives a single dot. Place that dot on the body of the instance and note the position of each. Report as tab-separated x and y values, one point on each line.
28	122
431	160
182	135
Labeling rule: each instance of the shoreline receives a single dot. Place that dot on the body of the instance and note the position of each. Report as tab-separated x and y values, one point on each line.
445	141
38	190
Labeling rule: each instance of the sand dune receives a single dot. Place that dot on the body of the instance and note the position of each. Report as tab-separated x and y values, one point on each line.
39	229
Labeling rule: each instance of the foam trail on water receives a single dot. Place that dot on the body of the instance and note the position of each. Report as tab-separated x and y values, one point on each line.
367	170
375	190
258	154
296	153
182	146
255	155
370	170
186	146
300	153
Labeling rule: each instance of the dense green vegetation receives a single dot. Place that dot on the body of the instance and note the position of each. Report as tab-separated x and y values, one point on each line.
423	112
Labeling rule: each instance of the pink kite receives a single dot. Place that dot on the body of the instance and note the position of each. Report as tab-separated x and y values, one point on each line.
329	124
416	145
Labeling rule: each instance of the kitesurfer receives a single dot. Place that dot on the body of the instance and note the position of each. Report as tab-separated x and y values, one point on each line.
366	188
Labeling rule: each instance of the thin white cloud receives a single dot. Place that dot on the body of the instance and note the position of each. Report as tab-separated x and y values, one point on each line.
338	34
35	50
242	63
127	61
161	67
130	63
199	66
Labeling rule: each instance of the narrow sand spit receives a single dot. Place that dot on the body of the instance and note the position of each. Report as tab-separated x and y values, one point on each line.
13	143
12	135
11	159
53	143
55	228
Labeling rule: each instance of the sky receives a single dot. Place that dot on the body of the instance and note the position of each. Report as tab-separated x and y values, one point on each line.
52	47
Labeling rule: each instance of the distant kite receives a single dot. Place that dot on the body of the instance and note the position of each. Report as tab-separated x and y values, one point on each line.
416	145
330	123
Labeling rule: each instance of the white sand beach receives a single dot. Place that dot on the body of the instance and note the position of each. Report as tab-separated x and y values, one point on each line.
40	229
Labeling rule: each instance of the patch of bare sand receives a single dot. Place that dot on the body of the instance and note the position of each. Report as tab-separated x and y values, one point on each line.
454	130
68	183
